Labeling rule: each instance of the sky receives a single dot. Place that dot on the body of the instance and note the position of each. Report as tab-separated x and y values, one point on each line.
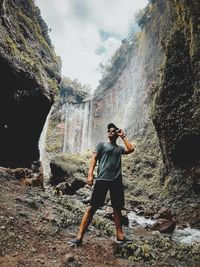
86	33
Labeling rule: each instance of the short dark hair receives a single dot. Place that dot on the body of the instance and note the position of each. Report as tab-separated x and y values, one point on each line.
112	125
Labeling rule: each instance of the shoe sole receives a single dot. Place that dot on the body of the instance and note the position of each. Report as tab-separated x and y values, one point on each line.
71	244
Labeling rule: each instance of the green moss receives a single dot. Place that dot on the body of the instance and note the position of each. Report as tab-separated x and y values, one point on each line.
142	168
11	46
54	140
105	226
165	192
26	20
35	28
53	85
72	163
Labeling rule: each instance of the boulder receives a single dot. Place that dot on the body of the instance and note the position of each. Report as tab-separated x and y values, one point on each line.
164	226
163	213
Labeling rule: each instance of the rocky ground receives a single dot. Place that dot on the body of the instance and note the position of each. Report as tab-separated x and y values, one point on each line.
36	225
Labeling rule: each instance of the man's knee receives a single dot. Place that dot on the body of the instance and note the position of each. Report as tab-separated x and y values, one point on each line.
91	210
117	210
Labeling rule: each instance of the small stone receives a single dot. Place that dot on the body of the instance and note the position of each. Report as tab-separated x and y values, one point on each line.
3	227
16	253
41	261
22	213
12	234
194	205
68	258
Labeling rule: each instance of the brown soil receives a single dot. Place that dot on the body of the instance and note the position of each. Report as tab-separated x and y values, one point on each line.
29	238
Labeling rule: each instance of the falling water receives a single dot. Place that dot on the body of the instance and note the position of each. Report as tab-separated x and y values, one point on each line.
42	147
77	127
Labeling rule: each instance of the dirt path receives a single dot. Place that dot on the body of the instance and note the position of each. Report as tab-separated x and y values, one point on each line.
31	236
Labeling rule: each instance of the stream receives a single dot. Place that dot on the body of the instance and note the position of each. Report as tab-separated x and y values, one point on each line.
187	235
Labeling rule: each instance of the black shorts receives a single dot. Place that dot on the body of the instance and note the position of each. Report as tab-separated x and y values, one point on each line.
101	188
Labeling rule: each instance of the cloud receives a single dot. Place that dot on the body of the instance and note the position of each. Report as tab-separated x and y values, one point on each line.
87	32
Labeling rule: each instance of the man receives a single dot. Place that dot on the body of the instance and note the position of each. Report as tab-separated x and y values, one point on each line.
109	177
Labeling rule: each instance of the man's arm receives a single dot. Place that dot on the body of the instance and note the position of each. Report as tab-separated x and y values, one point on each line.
93	162
129	147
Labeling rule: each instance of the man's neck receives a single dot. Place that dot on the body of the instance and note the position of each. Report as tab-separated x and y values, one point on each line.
112	141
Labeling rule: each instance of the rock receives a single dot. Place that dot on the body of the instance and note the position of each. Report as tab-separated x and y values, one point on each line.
32	70
149	211
30	202
69	257
163	213
19	173
23	213
164	226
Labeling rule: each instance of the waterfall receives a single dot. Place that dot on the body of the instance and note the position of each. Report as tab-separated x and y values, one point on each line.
42	147
77	127
125	102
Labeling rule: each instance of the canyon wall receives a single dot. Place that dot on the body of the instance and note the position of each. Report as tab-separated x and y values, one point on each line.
125	92
177	103
30	77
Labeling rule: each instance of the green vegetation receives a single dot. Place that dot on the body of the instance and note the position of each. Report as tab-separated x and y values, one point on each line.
144	16
142	168
29	46
104	225
73	91
55	135
160	248
118	62
72	163
137	251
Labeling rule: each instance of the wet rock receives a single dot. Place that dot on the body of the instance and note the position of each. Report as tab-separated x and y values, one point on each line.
19	173
163	213
109	215
164	226
149	211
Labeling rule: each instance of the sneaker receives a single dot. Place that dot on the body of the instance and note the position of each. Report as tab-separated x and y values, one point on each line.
75	242
124	240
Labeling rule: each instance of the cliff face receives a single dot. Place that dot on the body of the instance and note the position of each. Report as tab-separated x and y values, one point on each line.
125	92
155	78
177	103
30	75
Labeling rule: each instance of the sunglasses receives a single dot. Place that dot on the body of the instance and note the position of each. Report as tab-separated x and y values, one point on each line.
111	131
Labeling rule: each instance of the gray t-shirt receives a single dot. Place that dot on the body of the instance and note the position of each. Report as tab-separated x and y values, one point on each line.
109	161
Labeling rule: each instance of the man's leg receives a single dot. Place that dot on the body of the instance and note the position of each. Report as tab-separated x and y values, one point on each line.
118	223
86	220
117	200
97	200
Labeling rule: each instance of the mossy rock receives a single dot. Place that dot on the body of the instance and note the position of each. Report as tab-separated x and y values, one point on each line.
68	168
